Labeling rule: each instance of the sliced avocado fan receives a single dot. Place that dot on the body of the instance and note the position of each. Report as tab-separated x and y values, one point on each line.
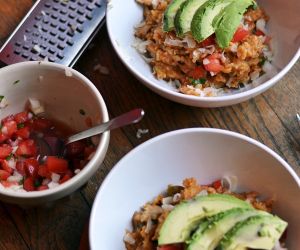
185	217
218	226
257	232
169	15
227	21
185	15
201	26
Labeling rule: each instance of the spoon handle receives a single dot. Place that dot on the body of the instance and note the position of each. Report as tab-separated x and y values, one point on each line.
130	117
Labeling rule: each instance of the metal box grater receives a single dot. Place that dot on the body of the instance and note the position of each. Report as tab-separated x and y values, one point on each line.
57	30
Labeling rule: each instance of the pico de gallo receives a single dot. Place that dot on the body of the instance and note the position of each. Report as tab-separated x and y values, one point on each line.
22	168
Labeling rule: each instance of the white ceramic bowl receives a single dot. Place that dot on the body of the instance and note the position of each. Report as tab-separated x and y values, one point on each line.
123	16
207	155
63	96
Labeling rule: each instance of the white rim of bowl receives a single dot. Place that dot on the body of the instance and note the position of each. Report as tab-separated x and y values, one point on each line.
214	99
102	147
169	134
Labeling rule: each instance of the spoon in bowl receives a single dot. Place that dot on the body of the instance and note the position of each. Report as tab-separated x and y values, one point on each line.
56	146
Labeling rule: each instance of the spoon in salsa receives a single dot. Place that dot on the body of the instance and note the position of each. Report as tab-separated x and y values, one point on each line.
56	146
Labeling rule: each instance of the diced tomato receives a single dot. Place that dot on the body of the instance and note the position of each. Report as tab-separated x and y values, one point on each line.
3	137
88	151
259	33
212	64
44	172
240	34
75	148
216	184
65	178
197	73
41	124
27	148
208	41
172	247
42	187
9	128
31	167
6	167
20	166
4	175
8	184
267	40
7	119
56	165
21	117
5	151
24	133
29	184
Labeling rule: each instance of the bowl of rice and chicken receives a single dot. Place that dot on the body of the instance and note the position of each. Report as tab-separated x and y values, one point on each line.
204	53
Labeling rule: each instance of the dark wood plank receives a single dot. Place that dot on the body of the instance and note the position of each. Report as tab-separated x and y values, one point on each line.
10	238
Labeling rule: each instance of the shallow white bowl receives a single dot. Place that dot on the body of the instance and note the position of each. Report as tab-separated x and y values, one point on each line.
123	16
63	96
207	155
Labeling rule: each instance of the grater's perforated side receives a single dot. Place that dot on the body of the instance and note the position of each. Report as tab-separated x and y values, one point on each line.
55	30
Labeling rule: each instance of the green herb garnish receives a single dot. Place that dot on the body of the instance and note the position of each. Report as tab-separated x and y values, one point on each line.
195	82
37	183
9	156
262	61
15	82
1	97
20	125
21	182
81	111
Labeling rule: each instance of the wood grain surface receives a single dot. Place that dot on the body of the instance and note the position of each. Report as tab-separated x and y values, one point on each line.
269	118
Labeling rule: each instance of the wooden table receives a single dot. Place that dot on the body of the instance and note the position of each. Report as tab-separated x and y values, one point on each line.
268	118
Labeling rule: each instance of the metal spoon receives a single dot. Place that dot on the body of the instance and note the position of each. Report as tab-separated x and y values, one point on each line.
56	146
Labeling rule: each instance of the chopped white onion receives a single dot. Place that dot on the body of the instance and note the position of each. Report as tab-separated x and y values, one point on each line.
76	171
167	207
176	197
68	72
261	25
149	225
202	193
52	185
129	239
55	177
269	69
46	181
140	45
187	41
14	178
206	61
254	75
167	200
233	47
3	103
12	163
229	182
35	106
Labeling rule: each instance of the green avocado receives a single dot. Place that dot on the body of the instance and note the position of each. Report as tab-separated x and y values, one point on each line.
186	216
219	224
257	232
169	15
227	21
185	15
201	26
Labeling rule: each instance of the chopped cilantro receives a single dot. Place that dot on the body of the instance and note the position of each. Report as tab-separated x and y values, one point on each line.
262	61
17	81
9	156
1	97
20	125
81	111
21	182
37	183
197	81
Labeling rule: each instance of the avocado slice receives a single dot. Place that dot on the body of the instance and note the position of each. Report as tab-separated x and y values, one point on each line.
227	21
201	26
185	217
185	15
219	224
257	232
169	15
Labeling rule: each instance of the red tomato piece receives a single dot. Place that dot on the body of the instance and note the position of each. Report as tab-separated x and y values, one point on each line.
216	184
6	167
57	165
31	167
4	175
41	124
65	178
3	137
171	247
21	117
259	33
88	151
9	128
197	73
240	34
75	148
20	166
29	184
27	148
42	187
212	64
8	118
8	184
44	172
24	133
5	151
208	41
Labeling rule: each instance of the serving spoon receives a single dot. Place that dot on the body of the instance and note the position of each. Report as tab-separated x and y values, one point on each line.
56	146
